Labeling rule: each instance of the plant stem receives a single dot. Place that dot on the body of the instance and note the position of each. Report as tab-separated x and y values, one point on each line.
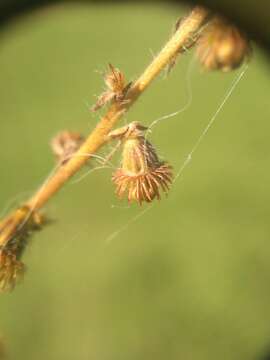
16	228
98	137
190	25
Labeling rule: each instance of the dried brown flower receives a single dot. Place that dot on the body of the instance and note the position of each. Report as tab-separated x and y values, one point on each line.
11	270
222	46
15	233
141	175
116	88
65	144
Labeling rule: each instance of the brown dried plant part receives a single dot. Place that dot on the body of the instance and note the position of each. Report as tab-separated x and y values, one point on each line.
141	175
222	46
65	144
15	233
11	271
116	88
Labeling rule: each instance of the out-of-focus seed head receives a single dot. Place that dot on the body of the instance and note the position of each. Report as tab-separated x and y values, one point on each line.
15	233
222	46
65	144
11	271
142	175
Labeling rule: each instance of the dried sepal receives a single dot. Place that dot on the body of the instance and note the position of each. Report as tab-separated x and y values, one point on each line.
222	46
65	144
15	233
142	176
116	88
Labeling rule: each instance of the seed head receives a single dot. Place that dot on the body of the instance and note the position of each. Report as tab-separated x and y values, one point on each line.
11	271
222	46
65	144
141	175
15	233
116	88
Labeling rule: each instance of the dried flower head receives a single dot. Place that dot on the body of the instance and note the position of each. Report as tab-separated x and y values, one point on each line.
15	233
141	175
116	88
222	46
11	271
65	144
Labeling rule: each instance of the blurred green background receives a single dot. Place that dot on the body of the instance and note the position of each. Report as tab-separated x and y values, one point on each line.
185	279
